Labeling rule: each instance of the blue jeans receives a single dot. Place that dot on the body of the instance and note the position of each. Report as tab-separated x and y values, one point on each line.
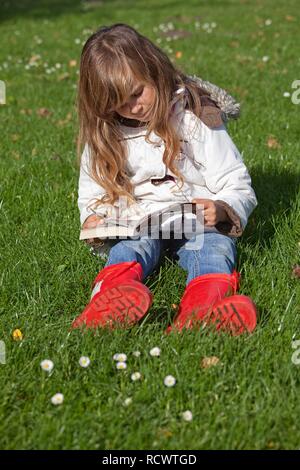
216	253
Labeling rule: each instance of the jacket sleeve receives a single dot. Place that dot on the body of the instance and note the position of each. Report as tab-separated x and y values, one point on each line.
227	177
88	189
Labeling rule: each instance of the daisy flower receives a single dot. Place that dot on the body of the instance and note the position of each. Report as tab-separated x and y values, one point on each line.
121	365
187	415
127	401
136	353
169	381
121	357
84	361
47	365
136	376
155	352
57	399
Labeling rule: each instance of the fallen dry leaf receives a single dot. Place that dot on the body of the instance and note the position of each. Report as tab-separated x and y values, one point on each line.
209	361
43	112
178	54
273	143
296	271
289	18
72	63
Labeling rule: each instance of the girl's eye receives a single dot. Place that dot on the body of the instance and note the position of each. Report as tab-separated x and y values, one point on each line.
138	93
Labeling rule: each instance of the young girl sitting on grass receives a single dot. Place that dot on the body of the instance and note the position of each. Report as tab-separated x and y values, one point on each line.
154	135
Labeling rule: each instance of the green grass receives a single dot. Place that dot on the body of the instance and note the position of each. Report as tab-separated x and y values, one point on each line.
250	400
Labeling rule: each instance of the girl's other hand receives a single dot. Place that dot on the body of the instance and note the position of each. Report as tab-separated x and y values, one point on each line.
91	222
212	211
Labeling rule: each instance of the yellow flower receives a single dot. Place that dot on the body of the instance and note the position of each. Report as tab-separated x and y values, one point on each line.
17	335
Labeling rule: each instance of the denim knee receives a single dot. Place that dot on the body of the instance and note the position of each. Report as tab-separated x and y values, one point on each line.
216	254
144	250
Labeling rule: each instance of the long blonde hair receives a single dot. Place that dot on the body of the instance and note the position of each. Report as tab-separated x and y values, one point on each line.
111	59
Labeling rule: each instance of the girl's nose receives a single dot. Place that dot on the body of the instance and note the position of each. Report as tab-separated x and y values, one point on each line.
135	107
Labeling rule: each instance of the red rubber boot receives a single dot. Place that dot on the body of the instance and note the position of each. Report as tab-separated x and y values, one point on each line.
122	298
211	299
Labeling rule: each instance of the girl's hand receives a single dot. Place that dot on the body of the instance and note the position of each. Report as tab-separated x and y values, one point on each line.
91	222
212	211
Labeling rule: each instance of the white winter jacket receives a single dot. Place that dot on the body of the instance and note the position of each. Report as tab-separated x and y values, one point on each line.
209	161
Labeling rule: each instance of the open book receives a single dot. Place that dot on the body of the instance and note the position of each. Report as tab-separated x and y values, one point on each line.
180	218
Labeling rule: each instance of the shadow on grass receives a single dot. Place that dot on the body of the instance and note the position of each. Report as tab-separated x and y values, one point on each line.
276	192
47	9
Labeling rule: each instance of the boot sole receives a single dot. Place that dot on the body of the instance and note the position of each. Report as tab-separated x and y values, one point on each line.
120	306
236	315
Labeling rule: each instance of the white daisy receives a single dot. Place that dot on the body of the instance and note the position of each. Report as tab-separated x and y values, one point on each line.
136	353
121	365
47	365
121	357
136	376
265	58
169	381
187	415
286	94
155	352
57	399
84	361
268	22
127	401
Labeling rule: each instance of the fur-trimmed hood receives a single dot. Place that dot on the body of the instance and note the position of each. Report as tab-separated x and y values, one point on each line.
218	105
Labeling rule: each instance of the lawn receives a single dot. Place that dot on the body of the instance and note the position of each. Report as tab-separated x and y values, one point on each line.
250	398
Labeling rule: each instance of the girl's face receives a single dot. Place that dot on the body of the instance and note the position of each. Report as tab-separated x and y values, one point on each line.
139	103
